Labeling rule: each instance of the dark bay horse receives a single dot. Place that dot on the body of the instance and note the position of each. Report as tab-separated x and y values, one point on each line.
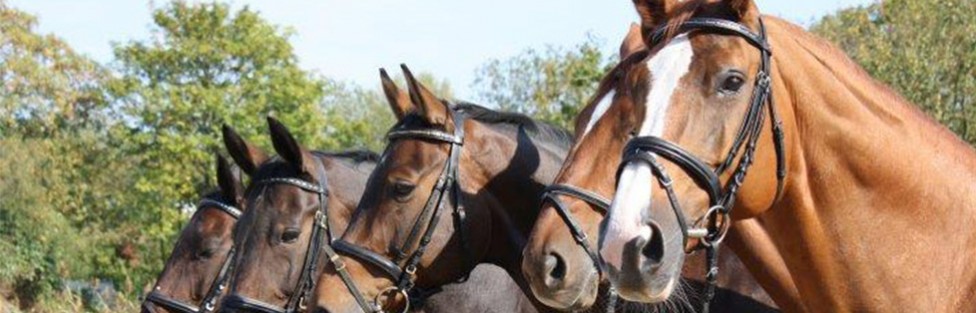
195	275
274	239
733	115
458	185
560	260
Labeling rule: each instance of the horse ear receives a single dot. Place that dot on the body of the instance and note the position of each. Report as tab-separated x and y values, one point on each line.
746	10
288	148
229	180
653	13
633	42
428	105
399	100
245	154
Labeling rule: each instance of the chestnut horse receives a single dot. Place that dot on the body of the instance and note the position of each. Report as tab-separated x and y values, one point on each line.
458	185
274	269
869	202
196	273
560	261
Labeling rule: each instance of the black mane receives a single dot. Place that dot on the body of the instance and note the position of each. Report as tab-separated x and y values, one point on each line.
278	167
541	131
354	156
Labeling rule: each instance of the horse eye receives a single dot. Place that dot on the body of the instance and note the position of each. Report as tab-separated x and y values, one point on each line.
732	83
206	253
403	189
290	235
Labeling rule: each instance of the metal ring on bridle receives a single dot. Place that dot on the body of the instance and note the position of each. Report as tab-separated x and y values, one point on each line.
392	290
723	218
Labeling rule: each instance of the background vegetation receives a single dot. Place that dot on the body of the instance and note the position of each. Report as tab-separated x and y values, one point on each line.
926	50
99	163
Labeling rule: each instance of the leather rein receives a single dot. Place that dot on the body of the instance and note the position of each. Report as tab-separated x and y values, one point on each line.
402	268
717	218
209	302
320	238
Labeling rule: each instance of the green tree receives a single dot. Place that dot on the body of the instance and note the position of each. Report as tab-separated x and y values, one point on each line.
205	66
924	49
44	85
53	190
54	149
552	85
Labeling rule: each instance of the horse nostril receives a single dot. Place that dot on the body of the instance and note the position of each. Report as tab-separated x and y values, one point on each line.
556	268
653	250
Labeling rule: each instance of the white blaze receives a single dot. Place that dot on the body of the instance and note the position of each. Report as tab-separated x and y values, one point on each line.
633	196
601	108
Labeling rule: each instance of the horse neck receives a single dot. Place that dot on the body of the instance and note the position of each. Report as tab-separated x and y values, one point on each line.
879	198
347	181
515	169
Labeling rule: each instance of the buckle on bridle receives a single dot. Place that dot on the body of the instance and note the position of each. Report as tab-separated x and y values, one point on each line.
764	80
302	305
337	264
320	220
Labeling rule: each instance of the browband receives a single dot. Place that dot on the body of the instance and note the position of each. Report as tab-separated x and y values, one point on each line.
714	24
231	210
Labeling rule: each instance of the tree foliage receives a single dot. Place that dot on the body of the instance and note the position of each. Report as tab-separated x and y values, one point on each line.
553	84
206	66
924	49
54	149
55	191
44	85
109	161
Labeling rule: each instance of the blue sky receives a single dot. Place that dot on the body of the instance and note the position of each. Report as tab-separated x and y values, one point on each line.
350	39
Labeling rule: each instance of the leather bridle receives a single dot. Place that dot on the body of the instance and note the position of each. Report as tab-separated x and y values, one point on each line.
320	238
209	302
646	149
551	194
401	269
